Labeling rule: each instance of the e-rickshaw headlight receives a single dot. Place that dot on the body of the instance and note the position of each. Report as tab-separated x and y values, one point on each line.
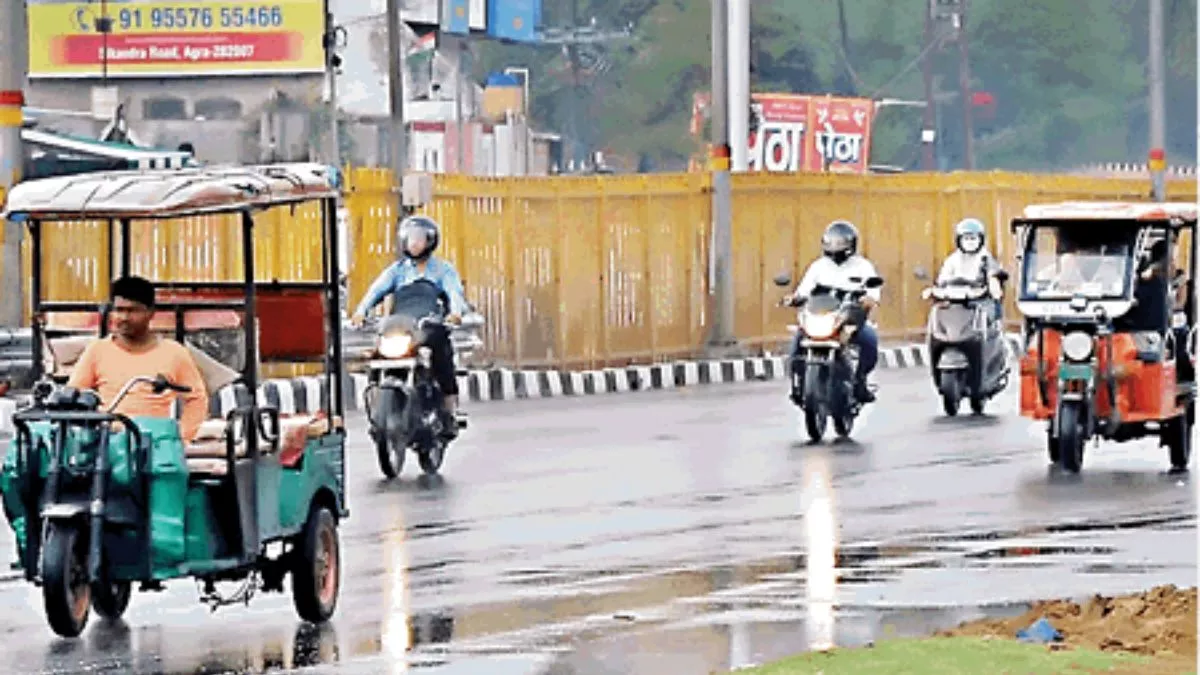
1077	346
395	346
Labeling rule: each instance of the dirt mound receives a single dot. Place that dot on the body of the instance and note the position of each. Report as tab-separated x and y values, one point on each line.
1160	621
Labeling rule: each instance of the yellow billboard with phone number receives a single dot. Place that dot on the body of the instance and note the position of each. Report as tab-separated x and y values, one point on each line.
175	39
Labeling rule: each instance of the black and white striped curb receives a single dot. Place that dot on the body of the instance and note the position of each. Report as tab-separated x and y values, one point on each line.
305	394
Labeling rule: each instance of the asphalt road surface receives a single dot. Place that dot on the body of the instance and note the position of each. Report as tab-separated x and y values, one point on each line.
687	532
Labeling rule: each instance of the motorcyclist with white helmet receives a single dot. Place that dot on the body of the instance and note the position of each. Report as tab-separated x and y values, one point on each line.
418	237
840	261
971	261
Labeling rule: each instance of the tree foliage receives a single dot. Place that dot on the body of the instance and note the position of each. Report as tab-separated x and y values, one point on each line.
1069	78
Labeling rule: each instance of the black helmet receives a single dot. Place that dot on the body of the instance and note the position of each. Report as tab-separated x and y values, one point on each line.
840	241
432	232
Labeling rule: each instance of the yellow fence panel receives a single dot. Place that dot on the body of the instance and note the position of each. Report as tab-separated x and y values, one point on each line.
583	272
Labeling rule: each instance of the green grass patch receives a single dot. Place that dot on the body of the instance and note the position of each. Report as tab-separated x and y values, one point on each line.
953	656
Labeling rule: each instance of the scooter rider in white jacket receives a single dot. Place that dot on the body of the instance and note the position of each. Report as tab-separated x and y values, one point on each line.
971	261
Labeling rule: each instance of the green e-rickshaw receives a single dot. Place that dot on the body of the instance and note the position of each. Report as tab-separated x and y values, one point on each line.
99	501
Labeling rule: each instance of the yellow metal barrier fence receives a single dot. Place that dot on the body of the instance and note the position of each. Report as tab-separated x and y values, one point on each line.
606	270
585	272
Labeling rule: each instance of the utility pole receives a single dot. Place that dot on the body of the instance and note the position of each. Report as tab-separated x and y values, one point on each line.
929	123
333	63
964	86
721	248
739	84
1158	124
396	58
460	49
14	66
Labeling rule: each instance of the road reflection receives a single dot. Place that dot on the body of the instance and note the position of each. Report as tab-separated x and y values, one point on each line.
820	538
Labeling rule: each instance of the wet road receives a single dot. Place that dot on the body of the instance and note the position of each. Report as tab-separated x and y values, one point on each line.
688	531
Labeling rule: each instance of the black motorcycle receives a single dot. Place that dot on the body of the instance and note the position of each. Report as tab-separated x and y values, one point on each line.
822	371
403	400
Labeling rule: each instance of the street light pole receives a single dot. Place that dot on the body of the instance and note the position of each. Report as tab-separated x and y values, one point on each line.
721	248
929	119
396	57
14	55
1158	124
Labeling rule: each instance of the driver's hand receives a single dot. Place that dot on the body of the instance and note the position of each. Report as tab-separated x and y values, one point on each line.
868	302
357	320
454	320
926	293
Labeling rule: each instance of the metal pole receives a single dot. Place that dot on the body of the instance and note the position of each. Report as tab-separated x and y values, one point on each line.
458	46
721	280
739	84
964	86
14	55
1158	128
334	152
396	58
929	123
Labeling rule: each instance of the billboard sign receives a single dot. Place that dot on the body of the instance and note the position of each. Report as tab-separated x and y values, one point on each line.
841	133
514	20
778	142
800	132
175	39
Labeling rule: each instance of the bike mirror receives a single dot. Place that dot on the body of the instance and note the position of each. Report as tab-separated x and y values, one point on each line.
874	282
42	389
783	279
160	384
921	274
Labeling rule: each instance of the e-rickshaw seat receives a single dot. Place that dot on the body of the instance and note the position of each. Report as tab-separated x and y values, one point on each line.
206	455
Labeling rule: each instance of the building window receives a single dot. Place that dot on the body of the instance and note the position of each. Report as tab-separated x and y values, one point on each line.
219	109
164	108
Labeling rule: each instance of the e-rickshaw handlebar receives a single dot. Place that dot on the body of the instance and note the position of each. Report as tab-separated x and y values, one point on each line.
160	384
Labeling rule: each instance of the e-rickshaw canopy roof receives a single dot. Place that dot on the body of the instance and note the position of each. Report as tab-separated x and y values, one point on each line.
1143	211
170	193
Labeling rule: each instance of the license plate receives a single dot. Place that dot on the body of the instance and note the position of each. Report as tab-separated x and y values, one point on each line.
1075	371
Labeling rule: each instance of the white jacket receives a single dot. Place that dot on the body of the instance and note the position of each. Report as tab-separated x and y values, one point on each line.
826	272
968	266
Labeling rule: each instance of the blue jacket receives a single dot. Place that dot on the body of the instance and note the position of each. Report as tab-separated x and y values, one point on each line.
404	272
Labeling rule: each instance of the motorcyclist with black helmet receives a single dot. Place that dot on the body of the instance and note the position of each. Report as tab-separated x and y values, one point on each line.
418	237
839	262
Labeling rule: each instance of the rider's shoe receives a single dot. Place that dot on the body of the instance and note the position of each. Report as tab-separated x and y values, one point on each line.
862	392
449	426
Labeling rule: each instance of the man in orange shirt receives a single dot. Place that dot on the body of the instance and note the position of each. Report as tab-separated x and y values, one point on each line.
133	351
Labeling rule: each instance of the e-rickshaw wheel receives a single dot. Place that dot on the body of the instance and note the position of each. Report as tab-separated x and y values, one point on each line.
1070	437
317	567
66	593
112	599
1177	436
1052	444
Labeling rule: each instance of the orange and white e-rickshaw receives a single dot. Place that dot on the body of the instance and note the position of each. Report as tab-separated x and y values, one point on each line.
1110	324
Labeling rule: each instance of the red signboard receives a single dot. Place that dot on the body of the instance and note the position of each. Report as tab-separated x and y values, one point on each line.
777	141
799	132
841	134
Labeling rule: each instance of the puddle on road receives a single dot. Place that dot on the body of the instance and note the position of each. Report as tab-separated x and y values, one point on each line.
615	621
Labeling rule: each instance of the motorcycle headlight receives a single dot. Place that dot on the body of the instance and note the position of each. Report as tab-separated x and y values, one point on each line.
1077	346
395	346
820	325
